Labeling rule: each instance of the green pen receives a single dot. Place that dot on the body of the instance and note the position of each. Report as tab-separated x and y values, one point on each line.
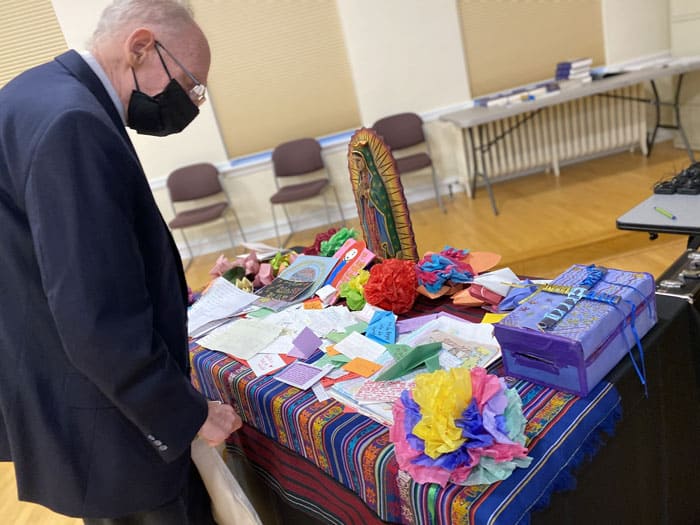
665	213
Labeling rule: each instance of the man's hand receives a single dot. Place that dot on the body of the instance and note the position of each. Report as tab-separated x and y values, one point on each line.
221	421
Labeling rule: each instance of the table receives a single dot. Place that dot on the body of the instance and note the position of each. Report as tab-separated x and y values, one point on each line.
476	117
644	216
340	467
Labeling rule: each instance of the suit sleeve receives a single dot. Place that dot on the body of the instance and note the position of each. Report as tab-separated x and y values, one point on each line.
80	200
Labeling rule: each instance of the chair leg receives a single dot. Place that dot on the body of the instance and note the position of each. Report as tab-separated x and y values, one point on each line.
238	222
277	230
189	250
435	181
340	208
291	227
437	190
228	230
328	211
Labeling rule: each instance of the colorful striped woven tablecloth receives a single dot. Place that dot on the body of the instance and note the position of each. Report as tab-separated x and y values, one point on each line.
322	456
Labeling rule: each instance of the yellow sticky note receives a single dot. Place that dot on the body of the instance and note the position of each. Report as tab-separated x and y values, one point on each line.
330	350
490	318
361	366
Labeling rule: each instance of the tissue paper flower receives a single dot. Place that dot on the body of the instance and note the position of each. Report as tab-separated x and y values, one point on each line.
249	273
281	260
332	245
353	290
392	285
460	426
434	270
221	266
315	248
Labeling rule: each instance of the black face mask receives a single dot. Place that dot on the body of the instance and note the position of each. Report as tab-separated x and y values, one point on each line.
170	111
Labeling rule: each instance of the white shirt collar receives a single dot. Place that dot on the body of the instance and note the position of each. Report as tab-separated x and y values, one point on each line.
97	68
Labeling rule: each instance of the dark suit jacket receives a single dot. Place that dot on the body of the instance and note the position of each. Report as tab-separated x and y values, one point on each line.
96	408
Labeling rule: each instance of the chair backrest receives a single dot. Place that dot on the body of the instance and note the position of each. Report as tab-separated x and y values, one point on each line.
297	157
401	130
194	182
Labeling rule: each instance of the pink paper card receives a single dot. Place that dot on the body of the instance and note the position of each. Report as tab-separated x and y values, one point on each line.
382	391
352	257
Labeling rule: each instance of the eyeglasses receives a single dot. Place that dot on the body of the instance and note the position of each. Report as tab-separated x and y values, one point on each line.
198	93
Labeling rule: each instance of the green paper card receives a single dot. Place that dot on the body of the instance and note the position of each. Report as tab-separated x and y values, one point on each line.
419	355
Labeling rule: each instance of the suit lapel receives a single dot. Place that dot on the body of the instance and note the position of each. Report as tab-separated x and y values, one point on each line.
74	63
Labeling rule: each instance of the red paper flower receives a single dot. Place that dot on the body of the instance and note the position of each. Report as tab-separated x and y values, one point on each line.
392	285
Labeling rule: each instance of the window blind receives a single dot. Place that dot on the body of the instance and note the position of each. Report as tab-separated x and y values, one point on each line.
29	36
279	71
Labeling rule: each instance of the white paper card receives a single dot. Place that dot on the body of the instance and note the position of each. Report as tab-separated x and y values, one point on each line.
241	339
320	392
357	345
262	364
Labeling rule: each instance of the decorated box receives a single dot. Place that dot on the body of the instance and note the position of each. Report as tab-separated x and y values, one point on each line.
569	334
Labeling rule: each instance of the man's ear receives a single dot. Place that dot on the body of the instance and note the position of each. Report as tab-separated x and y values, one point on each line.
137	45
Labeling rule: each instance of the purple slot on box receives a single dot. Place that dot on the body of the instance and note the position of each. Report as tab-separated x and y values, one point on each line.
571	338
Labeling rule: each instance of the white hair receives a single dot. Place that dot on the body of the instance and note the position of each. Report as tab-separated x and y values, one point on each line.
126	15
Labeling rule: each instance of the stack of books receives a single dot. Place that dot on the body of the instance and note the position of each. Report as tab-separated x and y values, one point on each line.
572	73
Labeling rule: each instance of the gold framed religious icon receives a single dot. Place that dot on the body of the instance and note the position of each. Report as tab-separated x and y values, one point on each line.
381	203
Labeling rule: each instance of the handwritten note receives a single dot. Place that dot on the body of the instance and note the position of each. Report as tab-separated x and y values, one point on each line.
263	364
222	300
241	339
357	345
382	327
281	345
302	375
382	391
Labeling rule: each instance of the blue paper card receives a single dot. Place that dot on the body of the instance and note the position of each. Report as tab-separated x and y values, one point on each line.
382	327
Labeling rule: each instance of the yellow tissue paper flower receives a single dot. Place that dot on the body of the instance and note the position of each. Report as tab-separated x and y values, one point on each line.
443	396
359	281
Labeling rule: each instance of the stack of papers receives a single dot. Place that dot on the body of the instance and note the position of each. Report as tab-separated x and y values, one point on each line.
283	342
222	302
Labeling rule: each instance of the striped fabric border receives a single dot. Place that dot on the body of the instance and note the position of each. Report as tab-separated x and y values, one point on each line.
354	453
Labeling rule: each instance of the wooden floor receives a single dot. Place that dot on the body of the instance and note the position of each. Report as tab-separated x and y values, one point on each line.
546	224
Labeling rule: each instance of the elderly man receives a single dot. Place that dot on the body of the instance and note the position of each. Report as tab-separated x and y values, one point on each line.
96	408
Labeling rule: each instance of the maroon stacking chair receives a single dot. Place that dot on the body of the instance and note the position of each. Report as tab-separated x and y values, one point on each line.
402	131
193	183
300	175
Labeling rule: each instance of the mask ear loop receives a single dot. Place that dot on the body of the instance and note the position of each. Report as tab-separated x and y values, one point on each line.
161	60
133	73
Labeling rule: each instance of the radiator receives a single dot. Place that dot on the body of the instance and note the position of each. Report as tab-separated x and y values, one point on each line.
561	134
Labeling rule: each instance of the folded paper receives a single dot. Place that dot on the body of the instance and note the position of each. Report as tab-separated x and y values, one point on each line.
382	327
426	354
